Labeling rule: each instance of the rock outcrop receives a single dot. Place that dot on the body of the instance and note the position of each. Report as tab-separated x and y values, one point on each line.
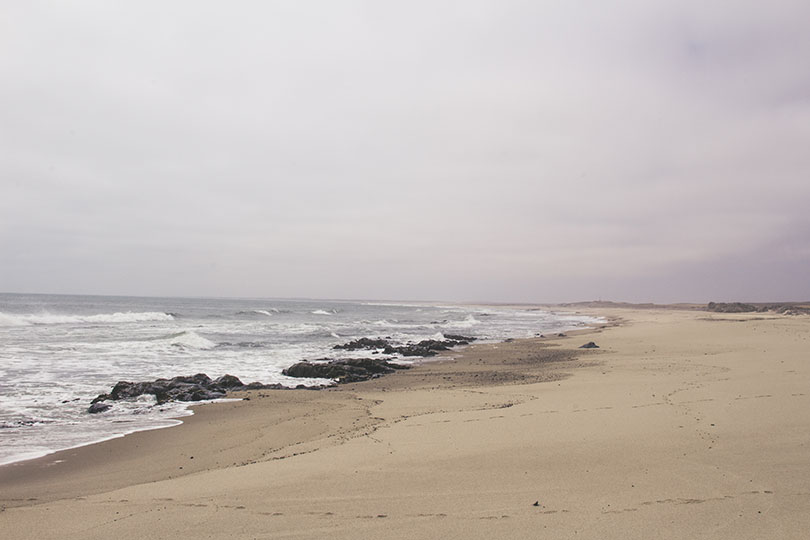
197	387
427	347
345	370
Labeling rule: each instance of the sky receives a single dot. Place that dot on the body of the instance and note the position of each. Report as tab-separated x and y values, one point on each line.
505	151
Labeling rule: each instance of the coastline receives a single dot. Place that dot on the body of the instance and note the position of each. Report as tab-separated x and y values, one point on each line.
667	422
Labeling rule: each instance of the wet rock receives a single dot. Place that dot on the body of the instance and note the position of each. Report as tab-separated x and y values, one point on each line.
589	345
228	381
197	387
363	343
96	408
427	347
461	340
344	370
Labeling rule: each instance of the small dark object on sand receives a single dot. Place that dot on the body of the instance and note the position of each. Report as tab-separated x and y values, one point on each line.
560	335
589	345
536	503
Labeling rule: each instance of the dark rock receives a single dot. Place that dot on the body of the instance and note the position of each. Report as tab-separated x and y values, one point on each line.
363	343
456	337
428	347
589	345
197	387
228	381
262	386
96	408
344	370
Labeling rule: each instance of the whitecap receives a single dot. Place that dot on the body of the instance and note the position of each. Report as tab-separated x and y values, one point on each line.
469	322
12	320
263	312
129	316
321	312
189	339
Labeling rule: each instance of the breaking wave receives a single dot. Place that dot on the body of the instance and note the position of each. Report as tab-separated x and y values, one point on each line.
189	339
469	322
7	319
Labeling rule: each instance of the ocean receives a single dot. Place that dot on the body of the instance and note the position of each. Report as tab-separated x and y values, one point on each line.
57	352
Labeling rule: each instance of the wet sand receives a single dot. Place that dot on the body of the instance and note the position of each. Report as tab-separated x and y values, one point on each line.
684	424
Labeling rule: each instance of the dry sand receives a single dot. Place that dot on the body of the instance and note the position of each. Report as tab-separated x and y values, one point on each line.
684	424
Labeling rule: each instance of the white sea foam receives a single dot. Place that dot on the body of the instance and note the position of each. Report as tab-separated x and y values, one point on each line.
12	320
65	355
7	319
468	322
190	339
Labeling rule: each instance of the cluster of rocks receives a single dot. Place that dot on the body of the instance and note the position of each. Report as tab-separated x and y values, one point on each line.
739	307
427	347
197	387
201	387
344	370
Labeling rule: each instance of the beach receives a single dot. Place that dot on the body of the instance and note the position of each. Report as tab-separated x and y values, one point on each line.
682	424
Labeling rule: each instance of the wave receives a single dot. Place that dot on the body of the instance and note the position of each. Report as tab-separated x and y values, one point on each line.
323	312
11	320
469	322
189	339
266	312
7	319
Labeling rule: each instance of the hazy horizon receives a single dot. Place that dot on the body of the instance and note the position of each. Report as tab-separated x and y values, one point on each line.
505	151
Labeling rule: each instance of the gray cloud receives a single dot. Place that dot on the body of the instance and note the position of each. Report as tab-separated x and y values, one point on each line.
477	150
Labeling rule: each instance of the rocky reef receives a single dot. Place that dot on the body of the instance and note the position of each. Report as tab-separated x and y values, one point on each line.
201	387
427	347
345	370
197	387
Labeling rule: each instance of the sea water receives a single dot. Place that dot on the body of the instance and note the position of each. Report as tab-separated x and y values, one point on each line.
58	352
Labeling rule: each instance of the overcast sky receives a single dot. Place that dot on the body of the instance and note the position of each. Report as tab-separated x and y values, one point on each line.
499	150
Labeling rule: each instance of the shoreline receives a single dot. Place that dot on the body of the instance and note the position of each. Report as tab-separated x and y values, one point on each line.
188	407
689	418
38	470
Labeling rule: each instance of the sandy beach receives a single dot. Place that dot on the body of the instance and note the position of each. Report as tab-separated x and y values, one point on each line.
683	424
